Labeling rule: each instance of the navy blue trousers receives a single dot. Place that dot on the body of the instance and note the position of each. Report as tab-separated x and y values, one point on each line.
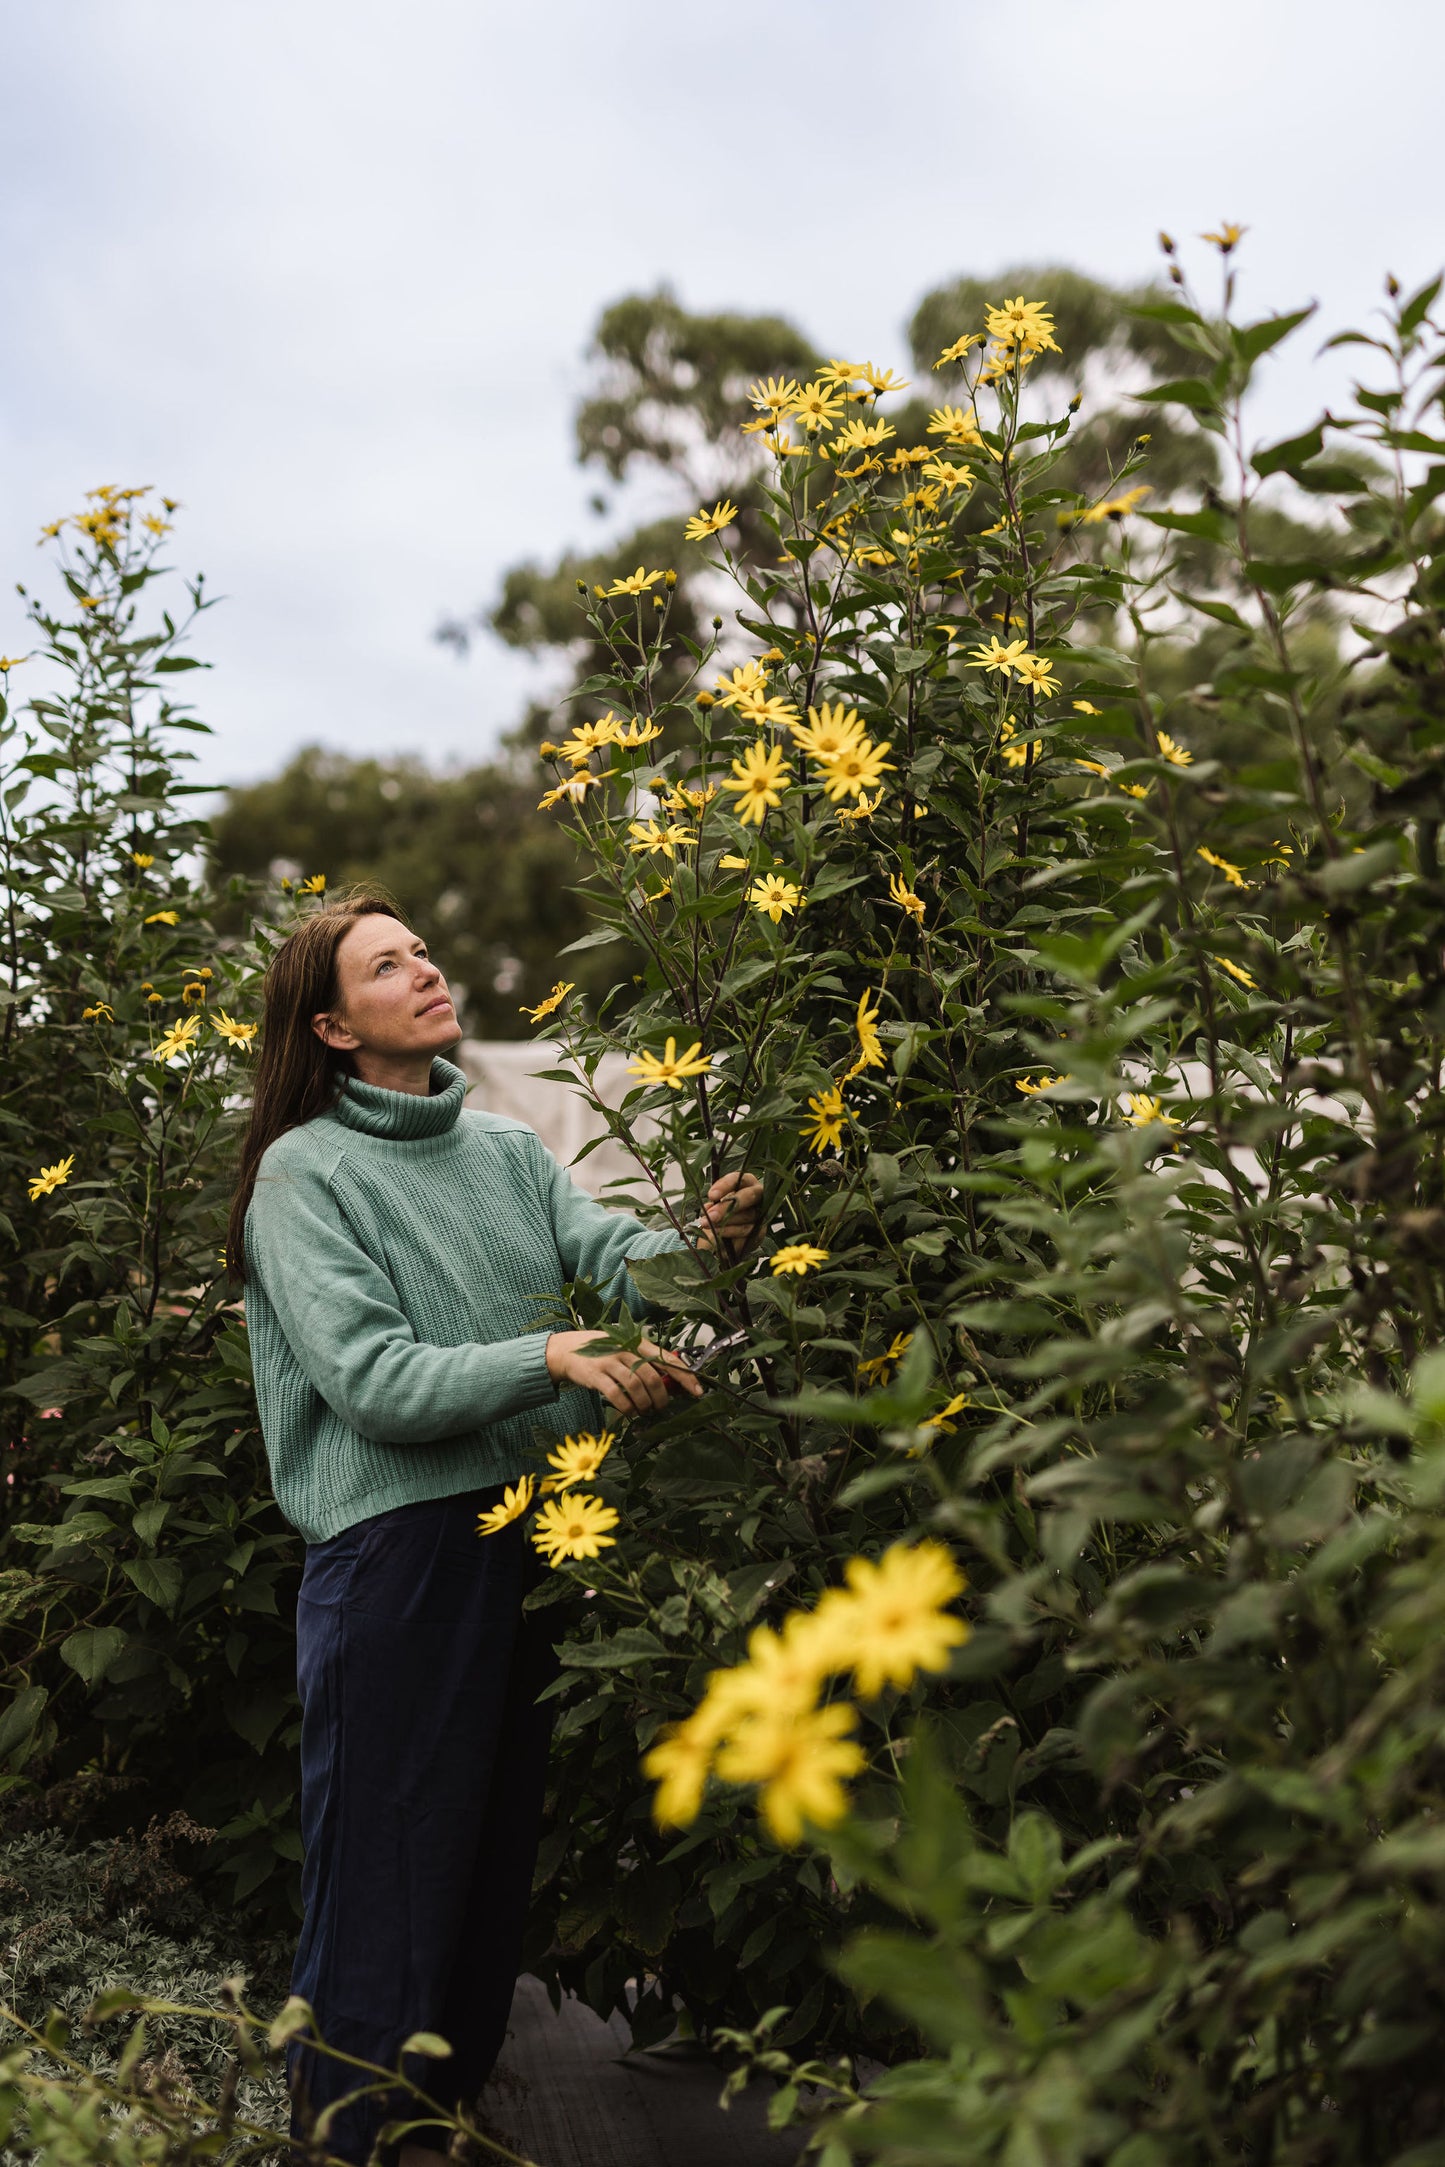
423	1763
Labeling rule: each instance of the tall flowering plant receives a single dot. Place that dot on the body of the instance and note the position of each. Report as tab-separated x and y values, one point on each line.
1041	894
140	1557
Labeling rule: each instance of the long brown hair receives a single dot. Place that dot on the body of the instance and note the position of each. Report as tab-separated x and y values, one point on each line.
297	1075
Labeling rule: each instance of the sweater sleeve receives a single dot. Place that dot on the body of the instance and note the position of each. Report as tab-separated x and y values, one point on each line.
595	1240
348	1332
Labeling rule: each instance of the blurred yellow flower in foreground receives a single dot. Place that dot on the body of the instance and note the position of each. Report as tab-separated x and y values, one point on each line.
672	1068
51	1177
801	1761
163	917
1237	970
892	1617
515	1500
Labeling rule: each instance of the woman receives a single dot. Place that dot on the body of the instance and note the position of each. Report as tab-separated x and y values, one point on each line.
394	1249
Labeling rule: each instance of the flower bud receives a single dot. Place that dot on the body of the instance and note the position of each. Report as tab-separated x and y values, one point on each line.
669	580
1176	275
601	593
717	624
582	586
705	699
1392	286
1166	242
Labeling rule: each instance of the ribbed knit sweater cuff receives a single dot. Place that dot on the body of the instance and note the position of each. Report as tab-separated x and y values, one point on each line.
535	1387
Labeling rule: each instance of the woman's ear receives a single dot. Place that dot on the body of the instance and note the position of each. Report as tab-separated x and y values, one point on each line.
334	1033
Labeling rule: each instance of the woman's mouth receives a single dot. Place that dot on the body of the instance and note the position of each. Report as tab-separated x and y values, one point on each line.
434	1008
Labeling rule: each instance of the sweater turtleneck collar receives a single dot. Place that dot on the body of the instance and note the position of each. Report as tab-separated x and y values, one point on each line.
402	1116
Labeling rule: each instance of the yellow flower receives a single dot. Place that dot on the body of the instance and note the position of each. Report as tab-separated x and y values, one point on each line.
958	349
1016	749
316	885
1235	970
1033	670
1227	238
1093	767
758	708
51	1177
948	476
829	1114
773	895
801	1761
1112	507
636	582
163	917
860	436
892	1616
678	1764
959	428
101	1013
145	859
747	682
574	1526
236	1034
828	730
193	993
156	526
1231	873
863	809
854	767
1135	790
578	1459
1085	707
870	1045
1140	1110
152	998
797	1258
180	1038
637	733
774	395
704	523
943	1423
673	1068
575	788
1174	754
1031	1086
587	737
881	381
515	1500
996	657
901	894
840	372
12	662
733	864
759	778
880	1367
1022	323
553	1001
816	407
648	835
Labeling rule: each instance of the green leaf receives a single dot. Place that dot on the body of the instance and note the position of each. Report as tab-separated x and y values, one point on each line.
431	2044
91	1651
1290	453
160	1580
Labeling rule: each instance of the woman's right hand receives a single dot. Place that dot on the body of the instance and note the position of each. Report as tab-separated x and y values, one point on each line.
632	1383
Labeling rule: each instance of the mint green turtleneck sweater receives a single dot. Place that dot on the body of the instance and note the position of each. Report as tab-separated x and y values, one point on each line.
395	1250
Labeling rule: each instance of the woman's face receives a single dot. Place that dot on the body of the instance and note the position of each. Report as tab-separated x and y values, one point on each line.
392	999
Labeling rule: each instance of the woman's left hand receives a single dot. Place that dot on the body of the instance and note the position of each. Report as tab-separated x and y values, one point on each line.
730	1215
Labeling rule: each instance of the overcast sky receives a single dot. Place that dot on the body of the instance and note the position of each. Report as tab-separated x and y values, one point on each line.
326	269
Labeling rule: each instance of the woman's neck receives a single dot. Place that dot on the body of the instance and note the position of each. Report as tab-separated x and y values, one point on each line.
409	1072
